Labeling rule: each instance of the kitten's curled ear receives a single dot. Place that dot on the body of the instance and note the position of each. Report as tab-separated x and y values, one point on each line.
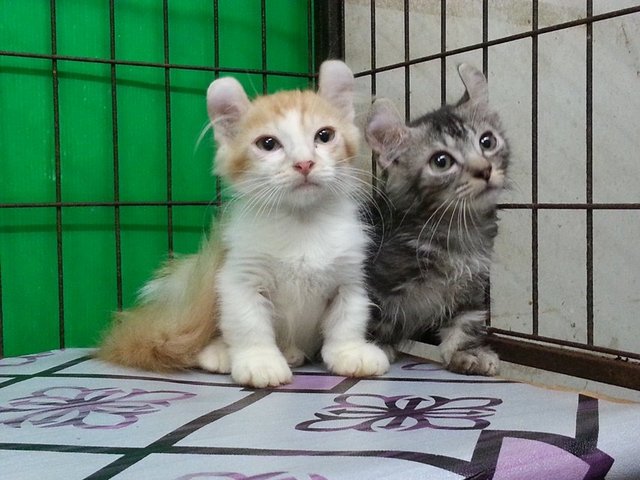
226	103
386	132
477	90
336	84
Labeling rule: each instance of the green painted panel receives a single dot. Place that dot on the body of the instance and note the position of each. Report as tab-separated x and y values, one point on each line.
86	145
89	268
27	160
240	34
288	37
140	29
142	140
144	247
25	26
158	119
82	32
190	226
191	161
191	33
29	280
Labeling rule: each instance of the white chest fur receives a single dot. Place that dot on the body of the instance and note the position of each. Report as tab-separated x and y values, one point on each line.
297	262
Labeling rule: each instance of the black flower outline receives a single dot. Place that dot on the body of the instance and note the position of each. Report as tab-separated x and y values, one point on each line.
371	413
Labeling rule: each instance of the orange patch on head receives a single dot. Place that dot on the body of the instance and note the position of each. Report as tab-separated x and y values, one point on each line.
237	163
266	110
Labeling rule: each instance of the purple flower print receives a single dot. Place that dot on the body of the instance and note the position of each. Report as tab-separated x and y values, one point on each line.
239	476
108	408
23	359
372	413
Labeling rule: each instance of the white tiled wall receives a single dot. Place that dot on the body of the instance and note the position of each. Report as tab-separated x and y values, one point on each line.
561	143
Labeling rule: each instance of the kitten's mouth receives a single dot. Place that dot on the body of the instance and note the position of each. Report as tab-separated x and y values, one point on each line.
306	184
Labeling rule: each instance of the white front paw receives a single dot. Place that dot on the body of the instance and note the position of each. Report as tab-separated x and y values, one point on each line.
215	357
355	359
260	367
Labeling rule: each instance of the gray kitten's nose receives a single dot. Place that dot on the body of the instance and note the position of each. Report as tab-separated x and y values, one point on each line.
484	173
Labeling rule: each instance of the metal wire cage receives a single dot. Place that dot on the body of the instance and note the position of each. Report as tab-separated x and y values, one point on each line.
102	172
564	77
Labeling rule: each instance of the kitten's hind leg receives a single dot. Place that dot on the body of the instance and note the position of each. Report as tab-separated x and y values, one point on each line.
215	357
293	355
463	346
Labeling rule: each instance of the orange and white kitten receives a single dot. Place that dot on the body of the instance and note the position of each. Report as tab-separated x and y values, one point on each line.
282	278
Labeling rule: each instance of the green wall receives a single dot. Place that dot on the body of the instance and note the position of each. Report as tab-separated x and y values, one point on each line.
63	268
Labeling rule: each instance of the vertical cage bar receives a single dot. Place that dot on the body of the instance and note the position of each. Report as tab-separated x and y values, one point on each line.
167	99
329	30
485	38
116	155
263	25
534	168
216	64
373	53
310	43
443	51
485	70
589	171
374	63
58	171
407	58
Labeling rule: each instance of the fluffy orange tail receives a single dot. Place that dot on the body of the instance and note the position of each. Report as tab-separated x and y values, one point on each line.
176	319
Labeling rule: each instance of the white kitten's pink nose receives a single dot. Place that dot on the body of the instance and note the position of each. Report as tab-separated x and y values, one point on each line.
304	167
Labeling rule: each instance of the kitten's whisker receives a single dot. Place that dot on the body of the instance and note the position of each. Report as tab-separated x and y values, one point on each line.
369	184
471	247
266	201
274	203
435	227
208	126
450	222
459	222
408	211
512	185
255	200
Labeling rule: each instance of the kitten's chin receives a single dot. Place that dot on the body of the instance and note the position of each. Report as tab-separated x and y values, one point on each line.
305	194
306	186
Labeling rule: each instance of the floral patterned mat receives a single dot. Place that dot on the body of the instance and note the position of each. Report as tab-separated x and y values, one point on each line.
66	415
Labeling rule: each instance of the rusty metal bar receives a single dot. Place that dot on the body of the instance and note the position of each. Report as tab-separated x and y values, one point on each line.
590	366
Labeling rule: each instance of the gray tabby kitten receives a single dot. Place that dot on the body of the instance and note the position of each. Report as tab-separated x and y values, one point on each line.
434	232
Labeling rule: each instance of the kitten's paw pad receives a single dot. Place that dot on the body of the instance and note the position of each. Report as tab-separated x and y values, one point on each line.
264	368
294	356
474	362
215	357
356	359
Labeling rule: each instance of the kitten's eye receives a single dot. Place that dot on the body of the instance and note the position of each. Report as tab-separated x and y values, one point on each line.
441	161
488	141
268	143
325	135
